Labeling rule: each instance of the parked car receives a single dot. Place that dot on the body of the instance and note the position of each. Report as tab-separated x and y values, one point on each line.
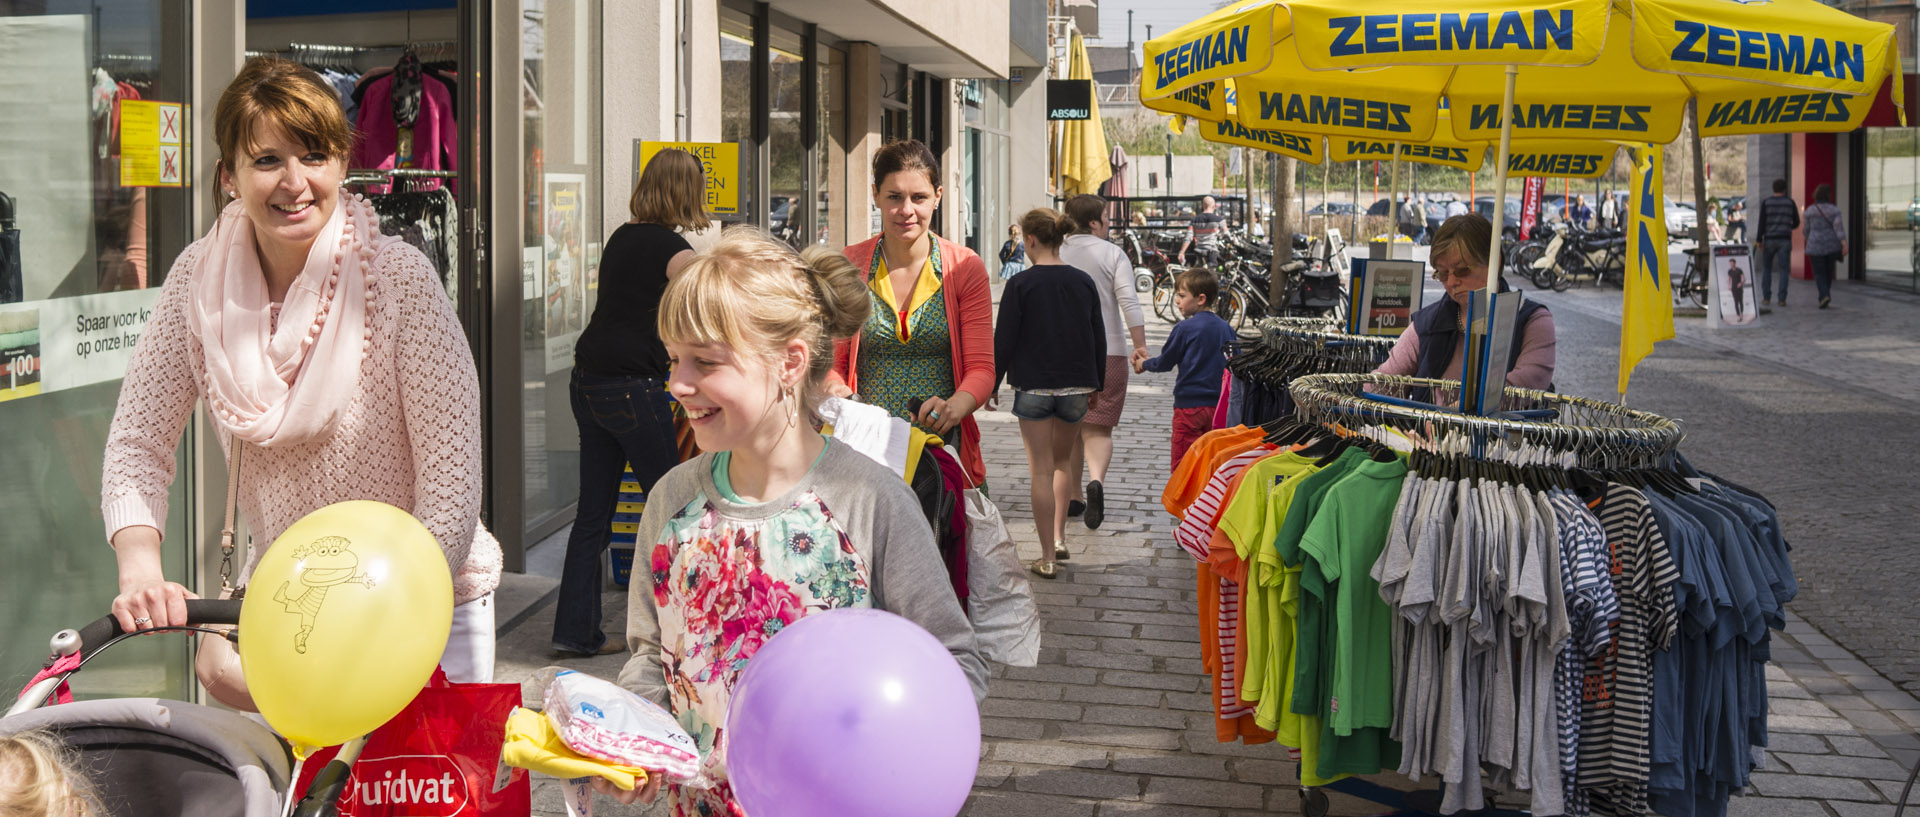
1338	208
1680	219
1913	214
1509	221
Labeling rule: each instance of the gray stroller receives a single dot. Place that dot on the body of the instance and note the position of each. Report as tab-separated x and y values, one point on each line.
149	757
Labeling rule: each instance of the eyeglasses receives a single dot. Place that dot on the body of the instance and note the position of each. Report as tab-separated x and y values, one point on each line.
1441	274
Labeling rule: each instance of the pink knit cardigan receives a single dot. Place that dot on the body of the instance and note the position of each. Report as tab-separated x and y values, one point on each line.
410	437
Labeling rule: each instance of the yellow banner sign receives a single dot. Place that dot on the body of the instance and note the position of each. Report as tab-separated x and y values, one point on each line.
720	161
1560	159
1299	146
151	135
1207	101
1463	157
1231	42
1796	43
1448	32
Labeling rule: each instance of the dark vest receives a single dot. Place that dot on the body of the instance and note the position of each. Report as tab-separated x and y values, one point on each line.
1437	325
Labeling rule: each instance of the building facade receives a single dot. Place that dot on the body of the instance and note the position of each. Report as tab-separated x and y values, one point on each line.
106	175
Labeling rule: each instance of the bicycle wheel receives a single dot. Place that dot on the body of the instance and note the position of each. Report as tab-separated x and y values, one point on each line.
1524	257
1695	285
1232	309
1163	301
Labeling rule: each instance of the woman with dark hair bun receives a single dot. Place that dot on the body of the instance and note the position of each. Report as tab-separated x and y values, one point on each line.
930	337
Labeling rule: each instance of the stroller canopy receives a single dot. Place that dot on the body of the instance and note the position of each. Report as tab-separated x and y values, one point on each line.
147	756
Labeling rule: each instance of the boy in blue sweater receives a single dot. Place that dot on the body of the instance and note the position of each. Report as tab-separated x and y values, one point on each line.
1198	347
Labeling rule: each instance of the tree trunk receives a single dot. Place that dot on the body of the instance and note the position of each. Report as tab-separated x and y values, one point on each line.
1283	229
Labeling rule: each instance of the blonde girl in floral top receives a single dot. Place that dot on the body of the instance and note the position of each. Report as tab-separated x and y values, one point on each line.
774	522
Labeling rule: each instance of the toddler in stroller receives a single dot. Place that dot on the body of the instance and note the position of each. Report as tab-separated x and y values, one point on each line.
147	756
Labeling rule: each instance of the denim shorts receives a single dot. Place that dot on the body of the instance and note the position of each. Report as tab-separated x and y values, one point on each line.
1068	407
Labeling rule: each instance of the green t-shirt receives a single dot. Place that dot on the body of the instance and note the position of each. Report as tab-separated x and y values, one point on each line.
722	460
1345	538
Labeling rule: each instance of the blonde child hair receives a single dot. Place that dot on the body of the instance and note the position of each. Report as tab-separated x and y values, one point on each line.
39	778
755	294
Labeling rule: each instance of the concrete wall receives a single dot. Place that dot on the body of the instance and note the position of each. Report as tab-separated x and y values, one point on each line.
978	30
1027	109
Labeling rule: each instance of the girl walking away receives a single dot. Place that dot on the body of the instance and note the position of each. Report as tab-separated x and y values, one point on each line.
1050	316
774	522
1826	240
619	386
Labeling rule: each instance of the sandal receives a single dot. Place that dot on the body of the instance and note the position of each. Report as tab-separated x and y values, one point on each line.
1045	570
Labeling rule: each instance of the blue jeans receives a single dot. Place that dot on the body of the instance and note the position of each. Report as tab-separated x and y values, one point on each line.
1823	273
1776	254
622	420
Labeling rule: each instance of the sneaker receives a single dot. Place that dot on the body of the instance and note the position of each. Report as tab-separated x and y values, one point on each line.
1075	507
1096	504
1783	302
1767	302
1824	302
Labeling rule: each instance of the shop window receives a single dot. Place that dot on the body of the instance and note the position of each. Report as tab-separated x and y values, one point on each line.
736	102
96	200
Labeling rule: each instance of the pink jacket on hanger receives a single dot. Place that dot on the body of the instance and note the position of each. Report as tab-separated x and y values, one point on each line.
436	137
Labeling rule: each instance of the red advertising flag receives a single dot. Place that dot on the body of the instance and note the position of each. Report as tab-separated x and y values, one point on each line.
1530	205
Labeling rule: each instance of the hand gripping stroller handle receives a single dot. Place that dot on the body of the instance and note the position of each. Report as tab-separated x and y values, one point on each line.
200	612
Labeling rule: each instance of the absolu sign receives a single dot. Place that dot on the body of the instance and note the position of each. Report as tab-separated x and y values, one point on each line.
1069	99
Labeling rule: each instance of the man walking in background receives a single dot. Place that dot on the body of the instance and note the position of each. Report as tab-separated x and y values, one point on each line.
1203	234
1779	217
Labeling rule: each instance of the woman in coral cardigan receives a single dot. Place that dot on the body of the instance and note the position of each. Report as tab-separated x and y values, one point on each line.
930	338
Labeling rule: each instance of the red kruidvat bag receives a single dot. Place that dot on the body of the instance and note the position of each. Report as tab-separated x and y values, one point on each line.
440	757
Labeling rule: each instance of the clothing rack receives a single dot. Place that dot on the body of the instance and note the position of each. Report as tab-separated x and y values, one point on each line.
1620	434
398	179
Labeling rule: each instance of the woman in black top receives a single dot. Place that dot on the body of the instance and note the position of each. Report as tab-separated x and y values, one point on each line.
619	387
1051	344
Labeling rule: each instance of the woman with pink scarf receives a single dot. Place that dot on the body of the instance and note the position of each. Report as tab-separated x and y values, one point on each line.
328	357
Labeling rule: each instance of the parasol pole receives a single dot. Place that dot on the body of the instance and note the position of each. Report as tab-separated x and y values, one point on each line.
1393	201
1500	183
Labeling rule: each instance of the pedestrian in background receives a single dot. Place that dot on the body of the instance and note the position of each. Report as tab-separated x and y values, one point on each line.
1013	254
619	385
1197	348
331	363
930	335
1610	211
1051	345
1580	214
1779	217
1826	240
1089	250
1203	234
1737	221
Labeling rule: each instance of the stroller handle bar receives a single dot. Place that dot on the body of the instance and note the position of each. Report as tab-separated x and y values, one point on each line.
200	612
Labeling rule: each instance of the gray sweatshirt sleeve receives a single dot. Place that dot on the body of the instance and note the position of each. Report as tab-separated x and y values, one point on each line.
643	674
909	579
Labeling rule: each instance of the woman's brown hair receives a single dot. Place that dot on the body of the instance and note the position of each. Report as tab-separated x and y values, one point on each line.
1046	227
907	154
269	90
672	192
1085	209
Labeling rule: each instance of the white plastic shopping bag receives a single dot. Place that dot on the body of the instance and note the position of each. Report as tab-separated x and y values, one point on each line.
1006	622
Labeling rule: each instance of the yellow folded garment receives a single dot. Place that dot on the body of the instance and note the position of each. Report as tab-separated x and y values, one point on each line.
532	744
917	441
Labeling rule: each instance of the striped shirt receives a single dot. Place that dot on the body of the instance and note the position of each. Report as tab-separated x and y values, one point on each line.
1592	612
1617	692
1192	535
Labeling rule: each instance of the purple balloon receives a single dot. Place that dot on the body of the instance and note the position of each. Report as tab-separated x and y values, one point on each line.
853	713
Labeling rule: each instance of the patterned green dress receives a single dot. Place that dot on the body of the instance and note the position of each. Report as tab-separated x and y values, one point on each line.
893	372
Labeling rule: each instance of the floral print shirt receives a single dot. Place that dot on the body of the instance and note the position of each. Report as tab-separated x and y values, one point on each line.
723	587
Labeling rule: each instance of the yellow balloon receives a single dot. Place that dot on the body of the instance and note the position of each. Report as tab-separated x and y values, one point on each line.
344	620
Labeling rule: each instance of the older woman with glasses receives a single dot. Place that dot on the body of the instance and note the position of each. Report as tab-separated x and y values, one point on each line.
1434	344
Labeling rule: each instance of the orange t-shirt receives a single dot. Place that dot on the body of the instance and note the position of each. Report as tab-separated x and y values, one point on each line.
1196	468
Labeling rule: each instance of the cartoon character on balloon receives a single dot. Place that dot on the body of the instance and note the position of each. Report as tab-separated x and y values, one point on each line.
323	563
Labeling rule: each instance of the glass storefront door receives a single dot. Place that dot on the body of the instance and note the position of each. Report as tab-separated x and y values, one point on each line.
95	203
560	87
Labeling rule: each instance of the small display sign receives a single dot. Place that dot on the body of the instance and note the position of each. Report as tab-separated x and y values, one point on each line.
1069	99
